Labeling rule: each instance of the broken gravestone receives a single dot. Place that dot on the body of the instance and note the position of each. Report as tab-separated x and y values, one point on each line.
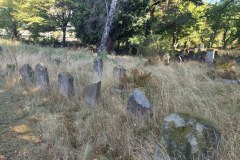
210	56
27	74
187	137
66	85
41	78
92	93
97	67
138	104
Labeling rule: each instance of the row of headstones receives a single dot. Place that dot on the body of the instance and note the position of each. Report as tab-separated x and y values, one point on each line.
207	57
39	77
191	137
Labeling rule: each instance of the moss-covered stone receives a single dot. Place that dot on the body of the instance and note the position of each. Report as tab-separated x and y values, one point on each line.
188	137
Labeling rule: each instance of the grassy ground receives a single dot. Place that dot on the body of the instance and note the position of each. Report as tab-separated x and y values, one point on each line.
39	126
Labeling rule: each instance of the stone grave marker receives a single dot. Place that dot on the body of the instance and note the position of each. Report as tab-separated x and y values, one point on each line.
210	56
27	74
92	93
138	104
41	78
66	84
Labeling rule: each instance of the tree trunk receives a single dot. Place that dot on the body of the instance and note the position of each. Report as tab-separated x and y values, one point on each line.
224	39
174	41
64	36
102	48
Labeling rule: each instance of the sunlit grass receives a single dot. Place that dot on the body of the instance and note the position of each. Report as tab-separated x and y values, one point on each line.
67	129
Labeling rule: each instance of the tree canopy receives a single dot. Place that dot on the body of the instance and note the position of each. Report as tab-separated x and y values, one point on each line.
167	24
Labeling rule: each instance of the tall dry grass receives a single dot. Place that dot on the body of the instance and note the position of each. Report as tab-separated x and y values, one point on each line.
68	129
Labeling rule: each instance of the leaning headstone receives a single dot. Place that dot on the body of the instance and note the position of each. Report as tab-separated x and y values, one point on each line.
187	137
92	93
66	85
97	67
27	74
10	69
210	56
41	78
138	104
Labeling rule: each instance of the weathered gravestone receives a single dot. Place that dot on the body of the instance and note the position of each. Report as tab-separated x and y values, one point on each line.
92	93
66	85
27	74
10	69
138	104
187	137
41	78
210	56
97	67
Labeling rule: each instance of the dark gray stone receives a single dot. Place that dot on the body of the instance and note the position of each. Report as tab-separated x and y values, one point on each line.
187	137
210	56
98	67
92	93
41	78
66	85
27	74
138	103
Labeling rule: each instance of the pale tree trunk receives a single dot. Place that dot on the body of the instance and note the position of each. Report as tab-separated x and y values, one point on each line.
102	48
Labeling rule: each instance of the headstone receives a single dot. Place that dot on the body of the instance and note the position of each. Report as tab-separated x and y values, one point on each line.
187	137
210	56
27	74
138	104
166	59
92	93
66	85
10	69
98	67
119	74
41	78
